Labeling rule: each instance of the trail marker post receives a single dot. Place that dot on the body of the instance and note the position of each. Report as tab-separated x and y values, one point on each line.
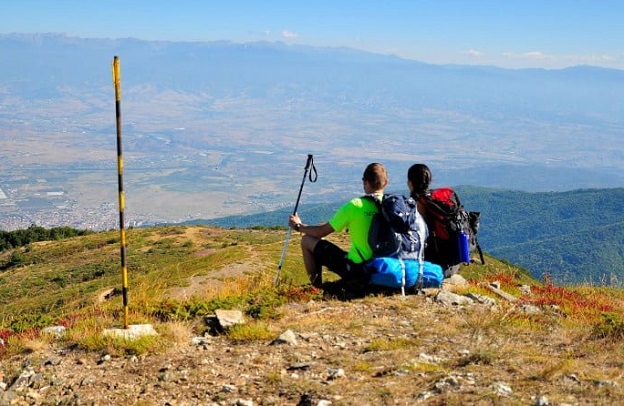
122	229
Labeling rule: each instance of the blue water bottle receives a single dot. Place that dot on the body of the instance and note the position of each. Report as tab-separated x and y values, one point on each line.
464	250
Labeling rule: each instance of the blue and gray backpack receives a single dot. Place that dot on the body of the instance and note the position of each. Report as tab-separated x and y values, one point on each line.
397	237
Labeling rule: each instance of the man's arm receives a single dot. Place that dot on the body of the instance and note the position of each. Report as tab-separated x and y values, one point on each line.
319	231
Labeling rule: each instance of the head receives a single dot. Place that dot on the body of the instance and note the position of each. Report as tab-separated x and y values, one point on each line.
418	178
375	178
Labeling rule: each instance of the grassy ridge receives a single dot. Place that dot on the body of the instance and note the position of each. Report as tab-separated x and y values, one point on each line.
178	275
575	237
59	278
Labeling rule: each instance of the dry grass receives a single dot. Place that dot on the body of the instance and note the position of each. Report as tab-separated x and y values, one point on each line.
176	333
390	347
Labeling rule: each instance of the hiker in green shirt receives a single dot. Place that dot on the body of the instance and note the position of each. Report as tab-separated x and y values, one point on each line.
355	216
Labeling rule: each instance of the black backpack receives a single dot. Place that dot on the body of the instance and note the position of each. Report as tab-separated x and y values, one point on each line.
447	221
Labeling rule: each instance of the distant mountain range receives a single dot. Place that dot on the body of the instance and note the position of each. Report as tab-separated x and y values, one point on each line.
212	129
575	236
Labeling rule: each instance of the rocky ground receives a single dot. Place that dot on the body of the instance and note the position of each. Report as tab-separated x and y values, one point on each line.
433	349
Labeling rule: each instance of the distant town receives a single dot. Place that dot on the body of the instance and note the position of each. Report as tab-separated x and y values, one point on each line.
53	209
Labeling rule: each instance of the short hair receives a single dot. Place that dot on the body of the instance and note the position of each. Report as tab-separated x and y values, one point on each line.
420	176
375	174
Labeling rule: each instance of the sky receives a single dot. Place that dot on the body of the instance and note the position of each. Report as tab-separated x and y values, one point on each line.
549	34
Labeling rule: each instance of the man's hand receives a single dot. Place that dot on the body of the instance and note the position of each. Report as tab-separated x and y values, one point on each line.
294	220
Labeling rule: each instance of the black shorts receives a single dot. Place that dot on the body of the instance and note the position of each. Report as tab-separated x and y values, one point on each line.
335	259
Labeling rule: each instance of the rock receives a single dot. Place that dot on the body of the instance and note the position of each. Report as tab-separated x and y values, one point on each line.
303	366
228	318
601	382
335	374
52	361
56	331
22	380
287	337
200	340
541	400
88	380
36	381
104	358
451	299
501	389
454	282
229	389
132	332
492	287
571	379
530	309
429	359
488	301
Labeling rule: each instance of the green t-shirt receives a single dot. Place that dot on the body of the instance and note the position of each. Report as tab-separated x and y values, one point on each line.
356	216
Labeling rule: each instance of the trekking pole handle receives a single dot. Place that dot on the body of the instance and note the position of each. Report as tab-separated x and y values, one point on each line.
309	162
309	172
313	175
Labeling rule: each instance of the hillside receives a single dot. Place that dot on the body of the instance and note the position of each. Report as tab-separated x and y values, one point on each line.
575	236
464	344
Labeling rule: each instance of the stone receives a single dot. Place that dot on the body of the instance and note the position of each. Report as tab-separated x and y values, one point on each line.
452	299
228	318
56	331
133	331
287	337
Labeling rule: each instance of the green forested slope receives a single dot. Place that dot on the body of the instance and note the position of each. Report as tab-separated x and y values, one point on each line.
575	236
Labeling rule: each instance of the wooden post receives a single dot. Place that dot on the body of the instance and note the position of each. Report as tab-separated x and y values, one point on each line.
122	228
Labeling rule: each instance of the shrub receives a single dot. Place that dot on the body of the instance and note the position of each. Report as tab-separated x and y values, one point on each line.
610	328
29	322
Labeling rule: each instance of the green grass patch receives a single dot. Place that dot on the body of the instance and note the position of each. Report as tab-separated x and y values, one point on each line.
256	331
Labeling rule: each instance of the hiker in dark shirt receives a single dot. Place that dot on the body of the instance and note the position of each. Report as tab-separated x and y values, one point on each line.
355	216
419	179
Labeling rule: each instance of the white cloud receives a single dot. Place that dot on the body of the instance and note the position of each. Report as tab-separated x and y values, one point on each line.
472	52
563	60
534	55
537	55
590	59
289	35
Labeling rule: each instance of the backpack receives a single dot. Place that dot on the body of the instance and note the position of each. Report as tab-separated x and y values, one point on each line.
452	229
397	237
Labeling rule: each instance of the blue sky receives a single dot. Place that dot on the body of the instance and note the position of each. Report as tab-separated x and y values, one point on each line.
506	33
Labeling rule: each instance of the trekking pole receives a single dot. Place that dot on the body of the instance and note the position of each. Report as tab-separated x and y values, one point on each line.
480	253
310	172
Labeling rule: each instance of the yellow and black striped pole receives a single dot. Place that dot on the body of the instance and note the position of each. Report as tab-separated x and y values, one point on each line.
122	228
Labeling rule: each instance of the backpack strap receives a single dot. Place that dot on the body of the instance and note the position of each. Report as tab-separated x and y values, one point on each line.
424	198
421	258
375	199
